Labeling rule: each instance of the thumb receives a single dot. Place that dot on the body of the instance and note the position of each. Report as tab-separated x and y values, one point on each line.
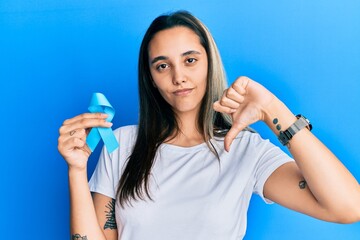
231	135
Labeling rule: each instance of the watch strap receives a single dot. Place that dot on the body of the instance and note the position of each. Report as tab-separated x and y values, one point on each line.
301	122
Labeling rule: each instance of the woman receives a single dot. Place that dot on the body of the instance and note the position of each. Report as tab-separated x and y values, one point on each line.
188	170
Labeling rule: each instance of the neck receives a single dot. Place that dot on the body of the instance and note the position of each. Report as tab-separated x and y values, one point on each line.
189	134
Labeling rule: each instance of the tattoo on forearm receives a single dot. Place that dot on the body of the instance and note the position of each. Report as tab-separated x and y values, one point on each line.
78	237
276	122
110	216
302	184
278	127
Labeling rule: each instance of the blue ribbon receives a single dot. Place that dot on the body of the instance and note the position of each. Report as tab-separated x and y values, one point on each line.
99	104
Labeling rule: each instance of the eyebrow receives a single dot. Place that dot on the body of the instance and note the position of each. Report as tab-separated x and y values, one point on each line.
159	58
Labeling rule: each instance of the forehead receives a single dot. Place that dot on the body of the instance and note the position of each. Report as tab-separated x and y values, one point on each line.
175	40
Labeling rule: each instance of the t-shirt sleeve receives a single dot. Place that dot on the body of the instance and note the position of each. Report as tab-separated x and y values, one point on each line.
102	180
107	173
270	158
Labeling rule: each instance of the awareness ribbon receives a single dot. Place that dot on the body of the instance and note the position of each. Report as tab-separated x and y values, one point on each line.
99	104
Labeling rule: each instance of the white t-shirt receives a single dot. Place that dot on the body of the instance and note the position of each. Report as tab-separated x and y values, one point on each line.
195	196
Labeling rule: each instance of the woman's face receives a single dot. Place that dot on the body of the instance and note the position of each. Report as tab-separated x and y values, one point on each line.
178	66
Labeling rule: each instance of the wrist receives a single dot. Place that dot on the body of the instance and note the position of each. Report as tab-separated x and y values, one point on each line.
278	116
77	171
301	123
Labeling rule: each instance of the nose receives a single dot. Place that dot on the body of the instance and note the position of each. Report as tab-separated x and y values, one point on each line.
178	76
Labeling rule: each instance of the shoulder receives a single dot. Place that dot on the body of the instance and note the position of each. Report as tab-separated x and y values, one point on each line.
252	137
257	143
126	130
249	143
247	136
126	135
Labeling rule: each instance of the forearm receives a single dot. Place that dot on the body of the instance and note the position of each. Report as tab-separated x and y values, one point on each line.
333	186
83	218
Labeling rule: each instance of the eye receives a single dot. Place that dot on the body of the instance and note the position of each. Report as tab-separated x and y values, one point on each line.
191	60
162	67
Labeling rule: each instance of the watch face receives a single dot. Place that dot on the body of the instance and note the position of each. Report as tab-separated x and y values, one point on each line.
309	126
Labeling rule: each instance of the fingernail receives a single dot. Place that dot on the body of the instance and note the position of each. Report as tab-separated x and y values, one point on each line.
108	124
228	148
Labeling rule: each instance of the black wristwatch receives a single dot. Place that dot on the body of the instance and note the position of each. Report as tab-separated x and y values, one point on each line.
301	122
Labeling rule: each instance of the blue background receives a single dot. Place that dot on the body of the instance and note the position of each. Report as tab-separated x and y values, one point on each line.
55	54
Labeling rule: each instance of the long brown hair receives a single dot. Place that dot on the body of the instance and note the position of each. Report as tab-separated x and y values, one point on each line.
157	119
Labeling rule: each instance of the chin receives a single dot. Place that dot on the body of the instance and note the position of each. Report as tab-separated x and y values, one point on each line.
186	109
187	106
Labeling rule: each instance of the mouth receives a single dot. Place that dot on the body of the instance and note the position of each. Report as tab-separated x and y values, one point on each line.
183	92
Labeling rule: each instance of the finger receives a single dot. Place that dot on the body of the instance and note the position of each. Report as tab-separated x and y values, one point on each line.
65	127
232	94
241	82
84	123
236	93
85	115
77	133
86	148
231	135
223	109
72	143
230	103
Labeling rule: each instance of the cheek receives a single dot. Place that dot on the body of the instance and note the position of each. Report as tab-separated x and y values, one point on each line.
203	73
161	86
203	86
159	80
153	76
203	78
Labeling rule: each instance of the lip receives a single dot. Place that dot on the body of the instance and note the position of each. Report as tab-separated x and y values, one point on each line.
183	92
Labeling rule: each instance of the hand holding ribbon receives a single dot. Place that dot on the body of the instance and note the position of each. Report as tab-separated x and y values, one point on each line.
99	103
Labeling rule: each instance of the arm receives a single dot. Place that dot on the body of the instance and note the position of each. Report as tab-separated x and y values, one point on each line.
72	146
105	211
83	220
331	192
